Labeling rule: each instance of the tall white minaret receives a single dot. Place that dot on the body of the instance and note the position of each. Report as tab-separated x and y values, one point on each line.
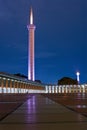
31	57
77	74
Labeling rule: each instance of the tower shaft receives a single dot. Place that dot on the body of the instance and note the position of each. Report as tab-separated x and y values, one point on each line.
31	57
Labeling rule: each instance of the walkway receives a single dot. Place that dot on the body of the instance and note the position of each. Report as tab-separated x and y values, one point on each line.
41	113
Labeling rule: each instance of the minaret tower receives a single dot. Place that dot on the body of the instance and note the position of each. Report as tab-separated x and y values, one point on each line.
77	74
31	66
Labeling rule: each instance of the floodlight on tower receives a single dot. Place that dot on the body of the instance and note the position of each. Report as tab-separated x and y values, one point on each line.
31	17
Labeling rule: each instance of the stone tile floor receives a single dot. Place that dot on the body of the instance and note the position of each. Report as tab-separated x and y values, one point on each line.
74	101
41	113
10	102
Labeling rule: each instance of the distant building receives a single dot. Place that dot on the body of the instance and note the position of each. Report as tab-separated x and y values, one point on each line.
67	81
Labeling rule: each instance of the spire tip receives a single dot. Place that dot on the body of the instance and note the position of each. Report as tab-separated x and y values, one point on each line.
31	16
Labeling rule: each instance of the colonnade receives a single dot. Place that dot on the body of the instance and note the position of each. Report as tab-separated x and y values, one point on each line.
12	85
66	88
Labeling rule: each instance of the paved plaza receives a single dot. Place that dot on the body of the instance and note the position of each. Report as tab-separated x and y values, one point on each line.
39	112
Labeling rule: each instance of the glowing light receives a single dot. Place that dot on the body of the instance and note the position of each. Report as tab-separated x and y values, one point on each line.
31	16
77	73
4	78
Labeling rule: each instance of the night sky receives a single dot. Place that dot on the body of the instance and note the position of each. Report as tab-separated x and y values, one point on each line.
60	38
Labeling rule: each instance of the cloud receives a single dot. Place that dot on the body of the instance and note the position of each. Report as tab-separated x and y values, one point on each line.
45	55
16	46
40	55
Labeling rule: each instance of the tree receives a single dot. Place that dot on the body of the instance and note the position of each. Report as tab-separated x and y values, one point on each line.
21	75
67	81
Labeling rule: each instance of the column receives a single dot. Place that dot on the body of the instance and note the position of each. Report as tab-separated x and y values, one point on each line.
6	85
2	85
17	86
10	86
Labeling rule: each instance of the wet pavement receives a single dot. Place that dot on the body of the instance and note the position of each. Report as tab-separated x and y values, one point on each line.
41	113
74	101
10	102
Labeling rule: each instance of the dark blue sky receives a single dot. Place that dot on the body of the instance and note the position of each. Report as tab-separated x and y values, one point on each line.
60	38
